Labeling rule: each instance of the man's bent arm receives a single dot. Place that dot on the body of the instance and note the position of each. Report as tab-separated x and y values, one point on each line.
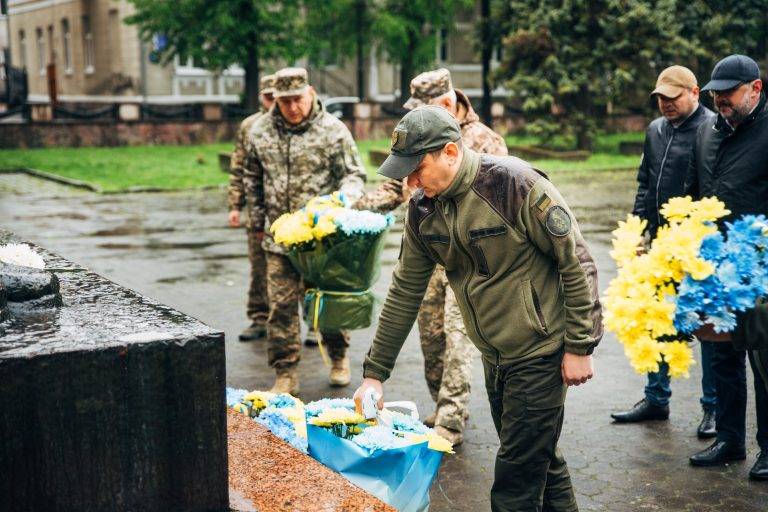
409	283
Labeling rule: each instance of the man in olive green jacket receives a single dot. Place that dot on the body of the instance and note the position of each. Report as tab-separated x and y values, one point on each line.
526	287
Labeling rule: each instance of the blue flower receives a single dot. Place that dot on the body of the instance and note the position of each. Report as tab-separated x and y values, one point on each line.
363	222
405	423
235	396
282	400
279	424
379	438
740	277
313	409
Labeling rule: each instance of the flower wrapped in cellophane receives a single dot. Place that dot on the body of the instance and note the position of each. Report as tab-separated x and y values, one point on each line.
640	301
395	460
336	249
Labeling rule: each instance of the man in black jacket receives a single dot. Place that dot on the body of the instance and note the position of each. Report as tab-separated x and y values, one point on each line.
666	155
730	162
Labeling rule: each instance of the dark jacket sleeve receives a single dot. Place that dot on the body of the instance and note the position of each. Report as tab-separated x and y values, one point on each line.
692	175
642	181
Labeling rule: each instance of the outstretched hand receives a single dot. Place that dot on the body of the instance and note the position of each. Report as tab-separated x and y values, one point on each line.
378	388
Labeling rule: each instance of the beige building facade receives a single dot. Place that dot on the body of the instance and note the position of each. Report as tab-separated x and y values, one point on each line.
98	58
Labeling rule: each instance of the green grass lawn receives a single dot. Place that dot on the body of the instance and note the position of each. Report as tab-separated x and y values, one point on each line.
182	167
121	168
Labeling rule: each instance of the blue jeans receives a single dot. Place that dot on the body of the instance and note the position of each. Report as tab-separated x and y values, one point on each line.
658	391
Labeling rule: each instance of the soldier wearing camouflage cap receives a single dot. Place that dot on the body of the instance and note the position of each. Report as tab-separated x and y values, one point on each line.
299	151
257	308
526	285
448	353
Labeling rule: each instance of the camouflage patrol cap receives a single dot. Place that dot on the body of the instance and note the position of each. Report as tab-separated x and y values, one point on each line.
291	82
420	131
427	86
267	84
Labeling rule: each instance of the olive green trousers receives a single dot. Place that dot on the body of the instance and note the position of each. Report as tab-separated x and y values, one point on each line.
527	403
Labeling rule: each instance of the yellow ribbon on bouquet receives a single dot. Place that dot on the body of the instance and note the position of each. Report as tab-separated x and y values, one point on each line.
316	317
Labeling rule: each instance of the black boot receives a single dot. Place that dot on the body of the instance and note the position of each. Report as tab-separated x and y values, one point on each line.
760	470
642	411
718	453
707	428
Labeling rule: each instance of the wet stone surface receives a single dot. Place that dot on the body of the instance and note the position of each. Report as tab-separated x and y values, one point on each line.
141	241
110	401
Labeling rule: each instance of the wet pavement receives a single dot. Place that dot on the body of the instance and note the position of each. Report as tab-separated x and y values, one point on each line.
176	248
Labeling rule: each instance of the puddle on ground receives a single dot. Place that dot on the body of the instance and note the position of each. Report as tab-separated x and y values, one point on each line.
158	246
126	230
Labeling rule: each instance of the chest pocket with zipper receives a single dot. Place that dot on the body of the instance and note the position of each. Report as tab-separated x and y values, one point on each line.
477	238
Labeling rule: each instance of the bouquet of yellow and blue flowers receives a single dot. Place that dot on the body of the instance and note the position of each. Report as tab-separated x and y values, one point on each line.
396	460
692	275
336	249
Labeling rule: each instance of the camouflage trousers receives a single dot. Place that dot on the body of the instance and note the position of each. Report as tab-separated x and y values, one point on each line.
448	352
258	305
286	290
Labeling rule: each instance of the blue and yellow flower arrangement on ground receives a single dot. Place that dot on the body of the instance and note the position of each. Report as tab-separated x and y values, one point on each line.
336	249
396	462
690	276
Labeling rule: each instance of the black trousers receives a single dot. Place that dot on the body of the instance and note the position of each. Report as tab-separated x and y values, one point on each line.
729	369
527	402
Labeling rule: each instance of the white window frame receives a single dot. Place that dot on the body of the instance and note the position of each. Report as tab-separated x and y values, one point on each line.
42	56
23	48
66	40
88	52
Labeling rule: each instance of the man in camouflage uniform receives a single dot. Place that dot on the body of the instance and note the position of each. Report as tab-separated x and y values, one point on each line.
448	353
257	309
296	151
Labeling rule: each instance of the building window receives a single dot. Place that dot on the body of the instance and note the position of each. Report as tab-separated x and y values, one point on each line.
66	39
443	45
41	56
23	49
87	44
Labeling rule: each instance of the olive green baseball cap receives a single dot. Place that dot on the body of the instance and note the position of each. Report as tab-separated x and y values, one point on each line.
420	131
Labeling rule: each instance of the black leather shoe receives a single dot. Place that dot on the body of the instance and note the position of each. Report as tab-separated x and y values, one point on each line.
718	453
642	411
760	470
707	428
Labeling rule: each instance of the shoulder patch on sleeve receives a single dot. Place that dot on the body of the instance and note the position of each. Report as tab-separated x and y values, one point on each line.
558	221
543	202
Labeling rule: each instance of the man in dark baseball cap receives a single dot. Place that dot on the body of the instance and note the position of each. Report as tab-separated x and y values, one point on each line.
525	284
423	130
731	72
729	162
736	88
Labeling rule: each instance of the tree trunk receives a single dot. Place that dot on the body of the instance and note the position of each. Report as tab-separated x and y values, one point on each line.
361	24
485	56
406	72
585	108
252	103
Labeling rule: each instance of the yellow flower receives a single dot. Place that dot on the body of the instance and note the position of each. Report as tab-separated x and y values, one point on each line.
709	209
259	399
337	416
627	238
292	229
645	355
679	356
324	227
677	208
436	442
241	408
